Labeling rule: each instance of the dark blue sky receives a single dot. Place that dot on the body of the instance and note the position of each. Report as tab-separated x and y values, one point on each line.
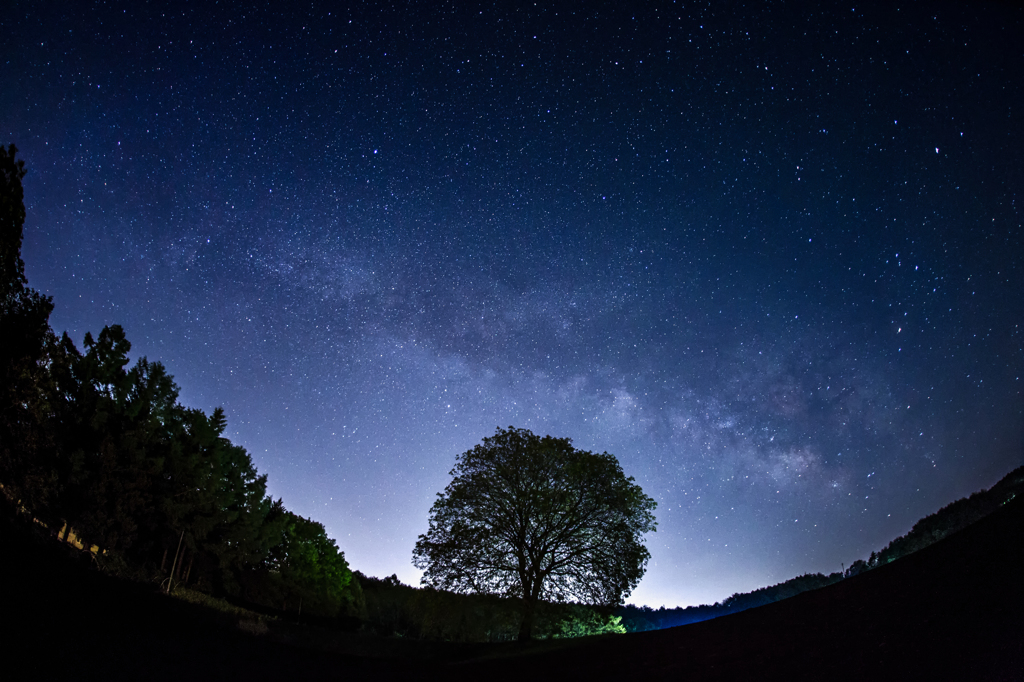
768	257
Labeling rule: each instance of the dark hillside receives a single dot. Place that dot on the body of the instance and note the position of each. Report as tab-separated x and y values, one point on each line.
954	610
65	621
952	518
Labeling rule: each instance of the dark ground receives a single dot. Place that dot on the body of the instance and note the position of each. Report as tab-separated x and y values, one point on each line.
952	611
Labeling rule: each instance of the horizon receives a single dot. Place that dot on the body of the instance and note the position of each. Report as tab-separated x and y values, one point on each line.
770	260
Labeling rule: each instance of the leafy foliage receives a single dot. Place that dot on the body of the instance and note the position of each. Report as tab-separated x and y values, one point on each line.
583	622
536	519
306	571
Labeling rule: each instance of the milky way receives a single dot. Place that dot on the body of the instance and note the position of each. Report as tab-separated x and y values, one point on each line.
769	258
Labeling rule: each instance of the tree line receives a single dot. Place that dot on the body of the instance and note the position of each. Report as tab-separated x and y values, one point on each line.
95	446
395	609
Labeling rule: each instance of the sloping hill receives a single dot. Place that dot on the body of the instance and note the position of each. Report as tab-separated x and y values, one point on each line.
952	611
62	620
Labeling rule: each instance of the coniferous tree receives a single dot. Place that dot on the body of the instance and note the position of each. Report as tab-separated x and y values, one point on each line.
26	471
12	220
123	429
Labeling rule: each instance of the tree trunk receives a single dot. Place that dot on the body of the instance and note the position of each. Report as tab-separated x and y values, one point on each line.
163	562
174	565
191	558
526	624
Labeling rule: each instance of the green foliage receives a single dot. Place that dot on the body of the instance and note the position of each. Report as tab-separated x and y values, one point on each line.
139	472
536	519
306	569
584	622
245	529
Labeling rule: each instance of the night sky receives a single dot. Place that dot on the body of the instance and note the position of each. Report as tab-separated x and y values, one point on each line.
770	258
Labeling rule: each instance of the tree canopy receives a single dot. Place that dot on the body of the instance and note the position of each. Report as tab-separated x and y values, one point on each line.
25	337
537	519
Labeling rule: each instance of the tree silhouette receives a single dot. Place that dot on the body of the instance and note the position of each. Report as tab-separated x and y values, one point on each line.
25	338
536	519
12	220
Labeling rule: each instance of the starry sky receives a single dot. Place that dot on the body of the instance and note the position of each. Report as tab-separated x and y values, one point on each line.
769	257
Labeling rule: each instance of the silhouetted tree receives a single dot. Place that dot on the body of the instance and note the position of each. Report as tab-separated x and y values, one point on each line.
26	449
536	519
121	427
12	220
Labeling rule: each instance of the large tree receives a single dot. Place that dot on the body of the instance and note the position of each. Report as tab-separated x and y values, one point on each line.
536	519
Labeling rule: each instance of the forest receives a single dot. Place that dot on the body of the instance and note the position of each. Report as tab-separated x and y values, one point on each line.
99	452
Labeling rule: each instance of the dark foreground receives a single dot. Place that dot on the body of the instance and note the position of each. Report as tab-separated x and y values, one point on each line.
954	611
